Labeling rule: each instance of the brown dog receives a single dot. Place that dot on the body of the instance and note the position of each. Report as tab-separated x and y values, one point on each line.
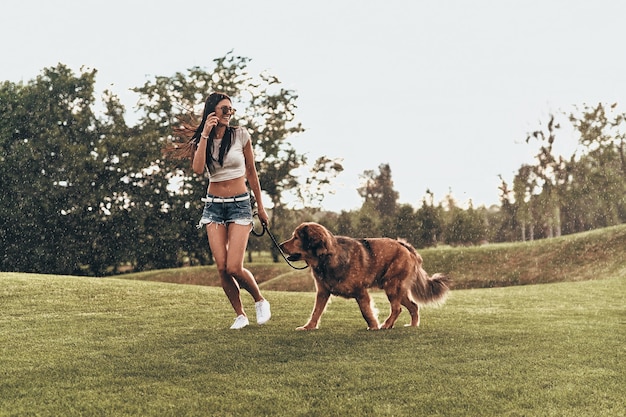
347	267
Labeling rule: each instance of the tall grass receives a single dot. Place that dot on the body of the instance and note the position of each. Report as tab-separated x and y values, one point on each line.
76	346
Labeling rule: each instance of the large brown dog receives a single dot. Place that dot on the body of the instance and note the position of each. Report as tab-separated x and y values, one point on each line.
347	267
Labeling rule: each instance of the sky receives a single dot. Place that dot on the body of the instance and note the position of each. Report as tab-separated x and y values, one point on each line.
445	92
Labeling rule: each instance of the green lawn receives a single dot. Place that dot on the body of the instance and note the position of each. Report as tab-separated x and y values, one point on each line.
109	347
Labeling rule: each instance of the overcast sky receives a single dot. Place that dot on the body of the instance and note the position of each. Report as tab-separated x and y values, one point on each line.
443	91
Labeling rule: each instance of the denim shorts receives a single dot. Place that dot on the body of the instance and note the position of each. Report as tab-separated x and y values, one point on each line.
224	210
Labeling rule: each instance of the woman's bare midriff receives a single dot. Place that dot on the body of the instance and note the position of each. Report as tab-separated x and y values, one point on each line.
228	188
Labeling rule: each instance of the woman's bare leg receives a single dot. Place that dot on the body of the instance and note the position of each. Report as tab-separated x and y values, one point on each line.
237	242
218	240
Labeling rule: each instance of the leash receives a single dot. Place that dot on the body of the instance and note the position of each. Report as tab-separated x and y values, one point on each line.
267	230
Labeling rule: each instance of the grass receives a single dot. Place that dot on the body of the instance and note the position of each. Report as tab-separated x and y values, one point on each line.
86	346
584	256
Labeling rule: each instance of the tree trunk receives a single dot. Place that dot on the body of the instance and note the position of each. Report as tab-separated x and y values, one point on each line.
557	220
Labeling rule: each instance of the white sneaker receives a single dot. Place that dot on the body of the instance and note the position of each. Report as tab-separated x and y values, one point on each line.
240	322
263	312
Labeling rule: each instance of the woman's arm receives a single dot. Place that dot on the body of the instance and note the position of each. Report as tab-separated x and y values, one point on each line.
253	180
199	157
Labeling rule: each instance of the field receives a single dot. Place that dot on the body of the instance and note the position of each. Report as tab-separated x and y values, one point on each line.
127	347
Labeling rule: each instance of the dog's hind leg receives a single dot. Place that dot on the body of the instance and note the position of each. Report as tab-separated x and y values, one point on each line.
395	310
414	310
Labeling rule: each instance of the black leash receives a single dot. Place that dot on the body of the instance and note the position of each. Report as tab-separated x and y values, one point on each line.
265	229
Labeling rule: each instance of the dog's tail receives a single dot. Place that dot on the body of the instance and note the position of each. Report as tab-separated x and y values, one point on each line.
426	289
430	290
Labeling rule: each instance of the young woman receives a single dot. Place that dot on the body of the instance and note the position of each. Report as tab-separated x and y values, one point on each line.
225	152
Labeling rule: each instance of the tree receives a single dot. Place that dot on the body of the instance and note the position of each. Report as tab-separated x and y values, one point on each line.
599	127
430	220
599	175
405	224
464	226
566	195
377	190
84	194
345	223
505	219
366	225
268	112
524	184
319	181
47	135
552	173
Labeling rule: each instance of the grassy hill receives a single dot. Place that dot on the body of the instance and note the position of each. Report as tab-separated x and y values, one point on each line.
583	256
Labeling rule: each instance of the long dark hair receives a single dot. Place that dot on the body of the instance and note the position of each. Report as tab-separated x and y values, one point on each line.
191	131
209	107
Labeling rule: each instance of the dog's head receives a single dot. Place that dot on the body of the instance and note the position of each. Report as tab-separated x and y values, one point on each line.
309	241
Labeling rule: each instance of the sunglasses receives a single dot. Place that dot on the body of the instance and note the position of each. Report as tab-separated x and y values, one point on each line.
227	110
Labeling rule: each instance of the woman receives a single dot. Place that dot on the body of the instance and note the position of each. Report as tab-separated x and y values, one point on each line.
225	152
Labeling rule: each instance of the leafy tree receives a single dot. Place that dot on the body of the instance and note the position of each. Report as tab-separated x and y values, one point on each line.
345	223
600	127
405	224
600	174
552	173
506	223
585	210
47	135
465	226
93	193
430	220
268	112
524	184
377	190
561	195
319	182
366	225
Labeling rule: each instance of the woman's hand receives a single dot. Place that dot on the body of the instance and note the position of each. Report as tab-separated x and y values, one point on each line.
263	217
211	122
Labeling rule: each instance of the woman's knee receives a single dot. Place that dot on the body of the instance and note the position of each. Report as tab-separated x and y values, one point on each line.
235	270
223	271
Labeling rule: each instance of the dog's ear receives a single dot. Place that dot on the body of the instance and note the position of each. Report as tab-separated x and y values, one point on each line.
316	239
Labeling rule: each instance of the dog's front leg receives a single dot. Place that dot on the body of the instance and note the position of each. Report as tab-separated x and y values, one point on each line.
320	305
367	310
